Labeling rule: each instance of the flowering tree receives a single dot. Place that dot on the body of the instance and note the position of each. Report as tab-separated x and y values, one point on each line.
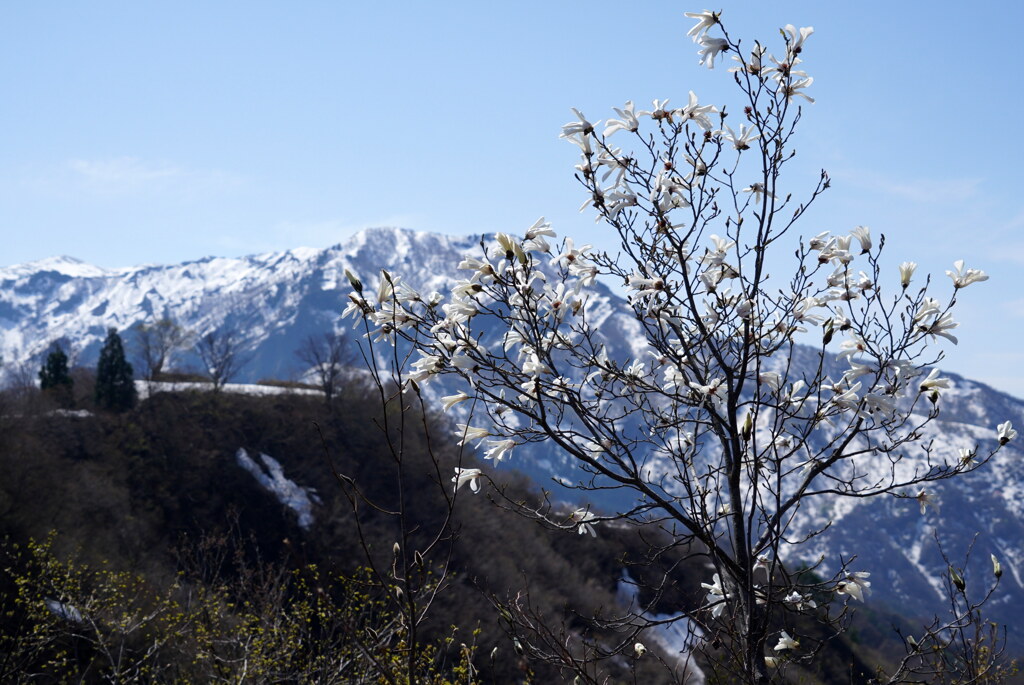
724	424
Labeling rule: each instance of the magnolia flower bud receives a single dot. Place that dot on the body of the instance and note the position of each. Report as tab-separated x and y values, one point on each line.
494	653
396	549
957	579
1005	433
827	332
639	650
356	284
906	273
518	646
997	568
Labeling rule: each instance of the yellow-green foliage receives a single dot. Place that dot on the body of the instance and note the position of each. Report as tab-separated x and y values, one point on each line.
66	622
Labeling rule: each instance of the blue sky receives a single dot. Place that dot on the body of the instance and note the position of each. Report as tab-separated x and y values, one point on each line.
161	132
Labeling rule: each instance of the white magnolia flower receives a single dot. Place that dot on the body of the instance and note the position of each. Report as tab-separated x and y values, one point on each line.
962	279
659	110
771	378
467	433
582	518
756	65
645	287
799	602
450	401
540	227
405	293
933	382
484	269
929	307
509	248
847	399
854	585
639	649
716	595
926	499
745	309
705	20
357	308
721	249
907	272
742	141
634	371
628	122
710	47
465	362
795	38
876	403
863	235
794	88
460	311
581	125
499	449
471	476
466	289
571	255
425	367
819	241
786	642
583	142
1005	433
757	189
717	390
941	326
697	114
535	366
852	347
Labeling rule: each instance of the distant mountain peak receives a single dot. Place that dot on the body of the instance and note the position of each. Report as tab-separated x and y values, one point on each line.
63	264
276	300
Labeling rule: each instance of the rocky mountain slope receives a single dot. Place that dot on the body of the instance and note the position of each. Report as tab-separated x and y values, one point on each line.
275	300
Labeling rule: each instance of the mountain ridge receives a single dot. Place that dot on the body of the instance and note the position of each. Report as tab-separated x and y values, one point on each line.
276	299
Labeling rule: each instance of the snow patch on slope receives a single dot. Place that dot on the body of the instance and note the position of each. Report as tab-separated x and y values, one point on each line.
675	634
295	497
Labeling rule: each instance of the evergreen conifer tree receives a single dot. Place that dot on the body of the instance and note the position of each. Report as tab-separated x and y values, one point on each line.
115	388
55	378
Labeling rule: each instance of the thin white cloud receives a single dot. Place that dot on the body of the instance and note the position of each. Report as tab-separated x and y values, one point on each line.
918	190
131	175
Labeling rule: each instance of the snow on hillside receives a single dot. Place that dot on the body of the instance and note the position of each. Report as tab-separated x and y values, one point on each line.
275	300
271	477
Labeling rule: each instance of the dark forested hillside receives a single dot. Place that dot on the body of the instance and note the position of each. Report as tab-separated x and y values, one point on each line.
158	491
155	500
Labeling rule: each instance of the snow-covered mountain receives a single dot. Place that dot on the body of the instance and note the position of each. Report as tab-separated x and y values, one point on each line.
272	300
276	300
